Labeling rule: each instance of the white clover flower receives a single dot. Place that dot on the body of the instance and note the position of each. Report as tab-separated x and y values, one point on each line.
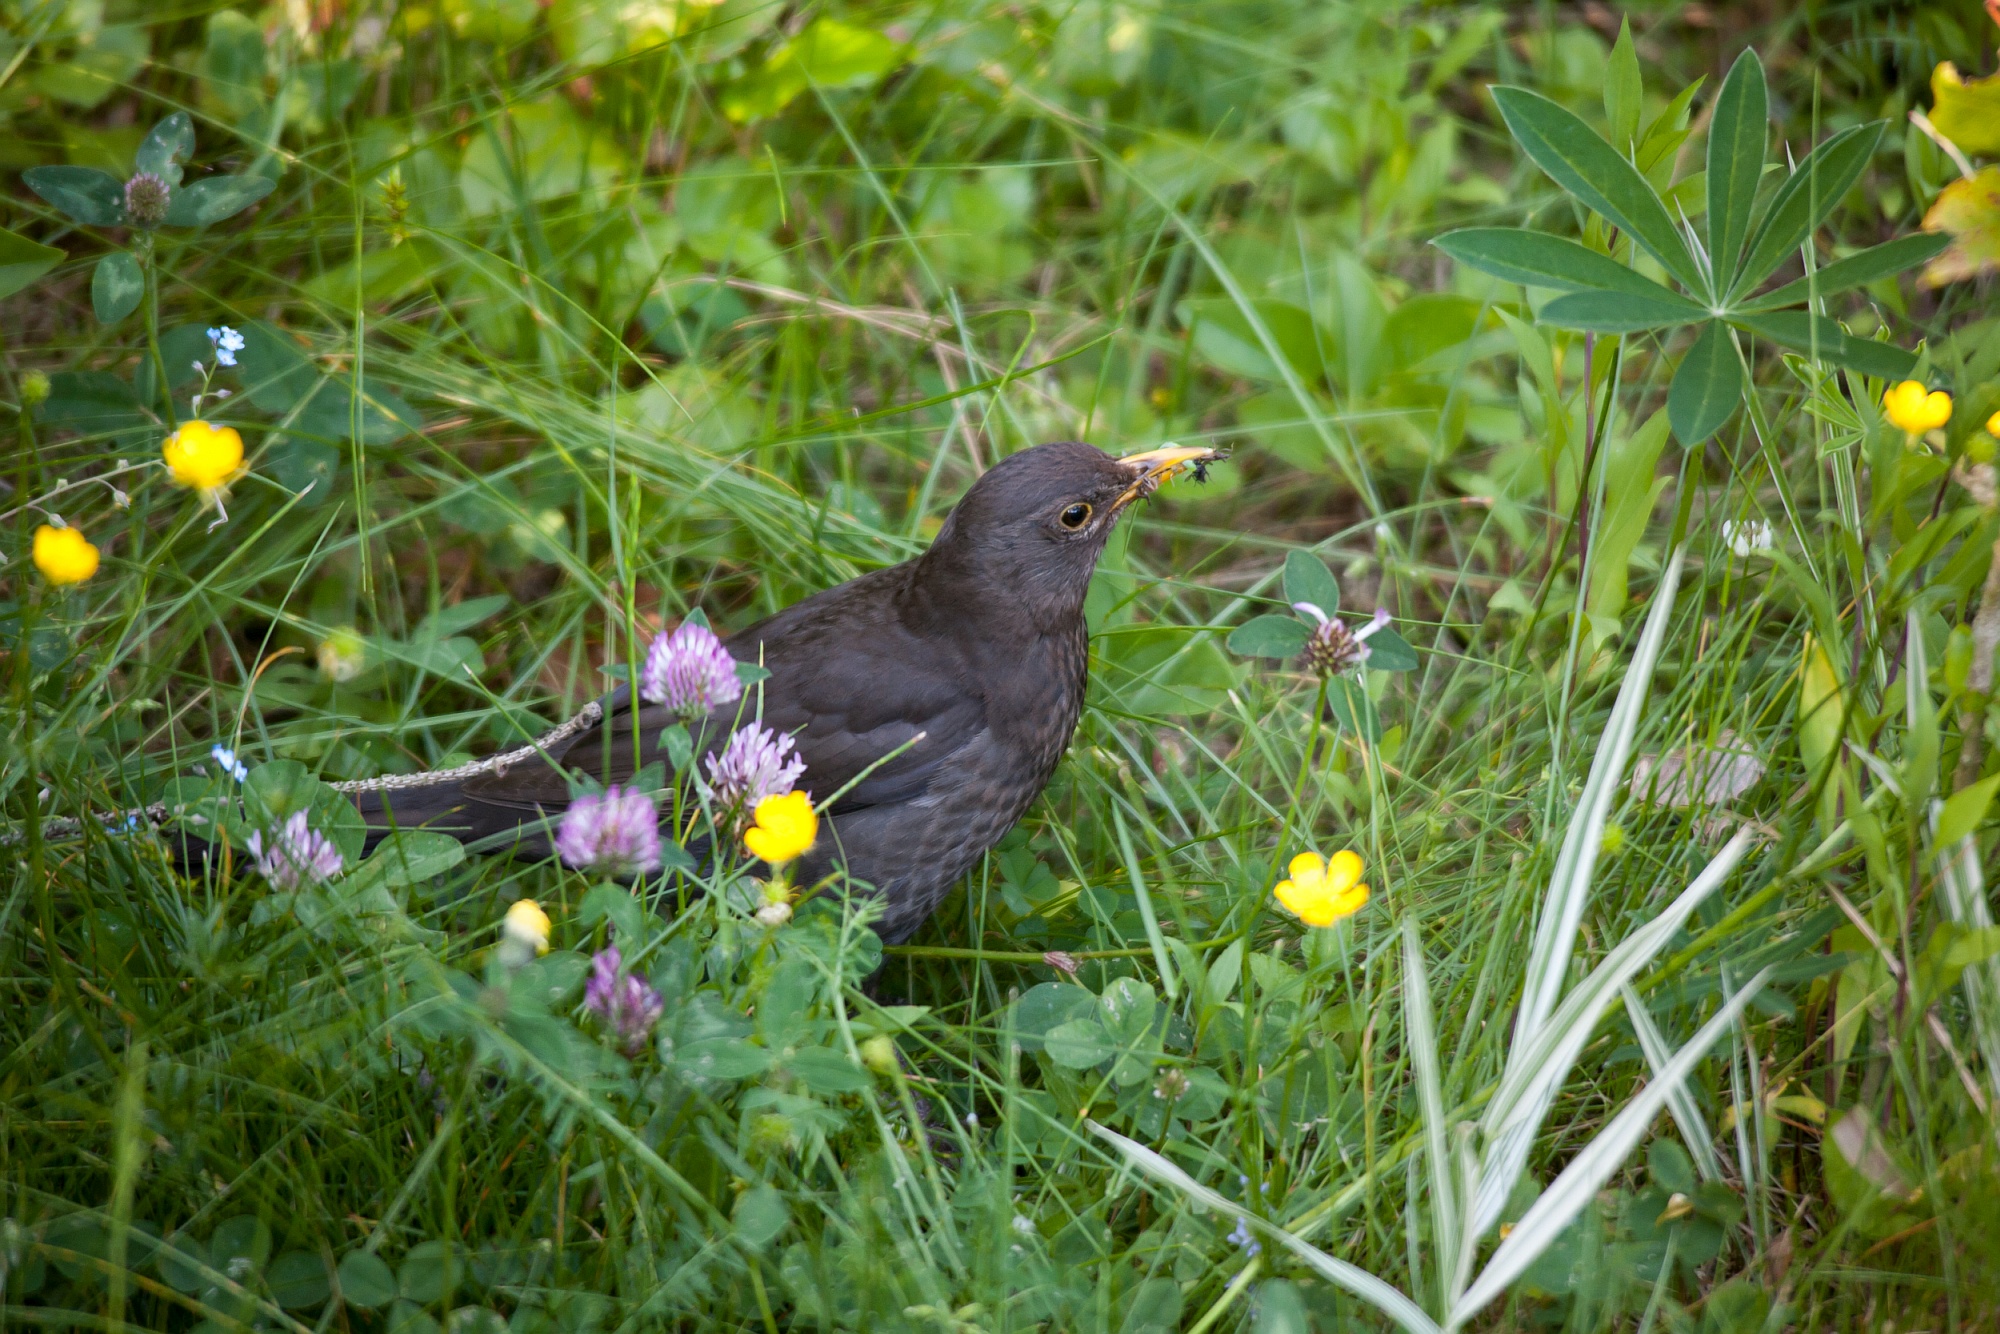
1747	537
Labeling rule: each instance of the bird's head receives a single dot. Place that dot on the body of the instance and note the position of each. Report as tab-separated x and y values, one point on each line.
1031	529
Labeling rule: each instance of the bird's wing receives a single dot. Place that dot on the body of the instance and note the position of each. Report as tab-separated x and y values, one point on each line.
849	684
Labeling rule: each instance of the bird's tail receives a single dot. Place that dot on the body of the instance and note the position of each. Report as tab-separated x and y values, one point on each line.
437	807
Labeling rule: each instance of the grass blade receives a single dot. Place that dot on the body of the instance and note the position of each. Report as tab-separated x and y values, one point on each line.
1421	1029
1537	1069
1340	1273
1569	887
1686	1112
1579	1182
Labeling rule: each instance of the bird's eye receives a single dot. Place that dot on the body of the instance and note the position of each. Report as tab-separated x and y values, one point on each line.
1075	517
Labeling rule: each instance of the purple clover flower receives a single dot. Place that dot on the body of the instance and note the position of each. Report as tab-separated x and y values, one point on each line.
628	1005
616	832
297	856
689	671
146	199
757	763
1332	647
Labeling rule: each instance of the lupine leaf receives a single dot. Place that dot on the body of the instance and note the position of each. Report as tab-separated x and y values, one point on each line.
1620	312
1577	158
1707	387
1815	334
1535	259
1857	270
1804	200
1736	137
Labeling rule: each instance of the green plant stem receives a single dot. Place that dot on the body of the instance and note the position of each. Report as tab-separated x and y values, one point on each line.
149	265
1029	956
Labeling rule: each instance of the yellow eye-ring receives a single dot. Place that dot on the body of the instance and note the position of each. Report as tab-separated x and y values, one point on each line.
1075	517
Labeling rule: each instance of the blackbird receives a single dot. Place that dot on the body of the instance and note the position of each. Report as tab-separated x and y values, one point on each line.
971	657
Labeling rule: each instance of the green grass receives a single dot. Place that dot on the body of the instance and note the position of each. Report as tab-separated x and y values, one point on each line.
623	357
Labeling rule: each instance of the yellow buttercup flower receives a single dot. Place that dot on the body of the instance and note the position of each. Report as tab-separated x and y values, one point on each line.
1912	408
1993	425
1321	892
64	555
203	457
786	826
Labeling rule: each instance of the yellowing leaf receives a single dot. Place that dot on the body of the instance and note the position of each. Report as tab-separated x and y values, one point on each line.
1964	810
830	53
1968	114
1819	708
1970	211
840	55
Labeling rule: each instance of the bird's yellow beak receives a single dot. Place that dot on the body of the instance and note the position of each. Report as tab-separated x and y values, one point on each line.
1155	466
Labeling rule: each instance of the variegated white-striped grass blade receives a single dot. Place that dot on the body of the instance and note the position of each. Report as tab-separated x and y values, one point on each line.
1340	1273
1578	1183
1962	886
1569	886
1686	1112
1536	1069
1421	1029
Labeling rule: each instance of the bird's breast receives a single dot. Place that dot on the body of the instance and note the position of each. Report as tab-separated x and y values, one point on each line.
1033	707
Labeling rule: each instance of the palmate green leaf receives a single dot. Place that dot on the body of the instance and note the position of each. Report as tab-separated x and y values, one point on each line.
1707	387
1818	335
22	261
1269	637
1620	312
365	1281
85	194
1535	259
1350	706
1857	270
1577	158
1736	137
1308	580
215	198
1390	652
1804	200
115	287
166	147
